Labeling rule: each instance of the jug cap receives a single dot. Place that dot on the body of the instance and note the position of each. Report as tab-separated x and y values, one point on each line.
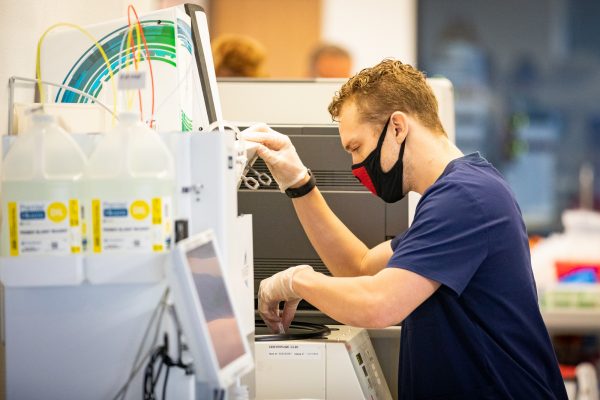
42	117
128	116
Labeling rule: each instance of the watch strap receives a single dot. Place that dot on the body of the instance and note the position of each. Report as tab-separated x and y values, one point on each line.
304	189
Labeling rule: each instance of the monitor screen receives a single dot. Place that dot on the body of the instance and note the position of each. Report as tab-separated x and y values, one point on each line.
216	305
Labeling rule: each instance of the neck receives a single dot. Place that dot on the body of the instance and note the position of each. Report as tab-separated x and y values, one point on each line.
429	155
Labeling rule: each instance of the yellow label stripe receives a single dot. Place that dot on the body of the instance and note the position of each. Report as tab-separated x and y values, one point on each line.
13	229
156	211
74	212
96	226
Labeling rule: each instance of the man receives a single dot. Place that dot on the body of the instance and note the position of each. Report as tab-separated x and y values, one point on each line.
459	279
330	61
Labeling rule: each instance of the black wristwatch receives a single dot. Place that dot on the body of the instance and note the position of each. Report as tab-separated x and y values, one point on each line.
304	189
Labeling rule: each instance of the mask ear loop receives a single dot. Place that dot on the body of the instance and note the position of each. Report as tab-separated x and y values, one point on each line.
380	145
400	156
383	133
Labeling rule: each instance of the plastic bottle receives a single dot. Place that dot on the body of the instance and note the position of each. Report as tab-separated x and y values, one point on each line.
41	192
129	185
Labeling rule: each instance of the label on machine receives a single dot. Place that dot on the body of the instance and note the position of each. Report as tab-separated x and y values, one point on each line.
288	351
139	224
132	80
44	227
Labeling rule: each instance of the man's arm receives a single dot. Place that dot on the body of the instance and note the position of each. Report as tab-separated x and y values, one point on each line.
377	301
343	253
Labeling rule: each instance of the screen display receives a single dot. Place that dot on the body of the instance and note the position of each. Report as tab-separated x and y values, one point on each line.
218	310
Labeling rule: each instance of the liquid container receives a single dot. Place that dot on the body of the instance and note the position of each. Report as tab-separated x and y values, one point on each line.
129	186
42	191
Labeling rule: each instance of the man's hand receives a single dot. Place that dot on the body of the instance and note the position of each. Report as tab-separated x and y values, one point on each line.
274	290
279	154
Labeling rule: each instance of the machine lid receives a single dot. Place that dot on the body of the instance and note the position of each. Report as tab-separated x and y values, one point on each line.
297	331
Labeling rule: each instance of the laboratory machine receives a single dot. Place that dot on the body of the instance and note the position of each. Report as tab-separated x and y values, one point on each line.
103	320
342	364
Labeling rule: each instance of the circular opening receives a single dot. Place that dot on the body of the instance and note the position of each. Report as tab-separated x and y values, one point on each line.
297	331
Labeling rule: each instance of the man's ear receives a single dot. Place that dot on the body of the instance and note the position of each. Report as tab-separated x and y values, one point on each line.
399	121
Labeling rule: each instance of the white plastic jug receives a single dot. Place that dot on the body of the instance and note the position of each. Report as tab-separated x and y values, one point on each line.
41	192
129	186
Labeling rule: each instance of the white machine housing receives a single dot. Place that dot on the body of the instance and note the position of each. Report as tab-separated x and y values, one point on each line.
342	366
207	183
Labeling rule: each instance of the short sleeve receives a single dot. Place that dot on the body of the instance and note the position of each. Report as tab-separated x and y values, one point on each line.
448	239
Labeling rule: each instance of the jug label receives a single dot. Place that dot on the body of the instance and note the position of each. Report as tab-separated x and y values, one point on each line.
38	227
138	224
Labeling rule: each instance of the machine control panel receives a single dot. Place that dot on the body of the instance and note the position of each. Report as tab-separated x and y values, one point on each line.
364	361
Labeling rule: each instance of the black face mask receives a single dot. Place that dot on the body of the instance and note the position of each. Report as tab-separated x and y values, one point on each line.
387	185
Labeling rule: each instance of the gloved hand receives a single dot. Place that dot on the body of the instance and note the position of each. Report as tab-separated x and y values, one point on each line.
274	290
279	154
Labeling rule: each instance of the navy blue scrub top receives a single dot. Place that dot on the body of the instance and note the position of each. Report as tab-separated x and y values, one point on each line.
481	334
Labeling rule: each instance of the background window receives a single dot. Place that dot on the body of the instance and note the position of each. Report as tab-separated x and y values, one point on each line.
527	82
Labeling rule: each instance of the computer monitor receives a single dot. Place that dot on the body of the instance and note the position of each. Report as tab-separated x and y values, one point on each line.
204	61
203	303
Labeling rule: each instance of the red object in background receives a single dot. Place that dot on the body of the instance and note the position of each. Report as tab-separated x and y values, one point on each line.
564	269
567	371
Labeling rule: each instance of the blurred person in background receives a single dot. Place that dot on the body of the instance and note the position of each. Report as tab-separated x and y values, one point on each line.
330	61
238	56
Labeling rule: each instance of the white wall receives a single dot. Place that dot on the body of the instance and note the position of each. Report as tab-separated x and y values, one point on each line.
372	30
22	22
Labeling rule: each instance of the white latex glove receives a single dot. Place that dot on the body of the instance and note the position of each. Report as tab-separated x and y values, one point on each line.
278	152
273	291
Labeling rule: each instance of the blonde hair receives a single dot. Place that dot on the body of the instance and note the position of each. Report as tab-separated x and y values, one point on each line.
238	55
387	87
